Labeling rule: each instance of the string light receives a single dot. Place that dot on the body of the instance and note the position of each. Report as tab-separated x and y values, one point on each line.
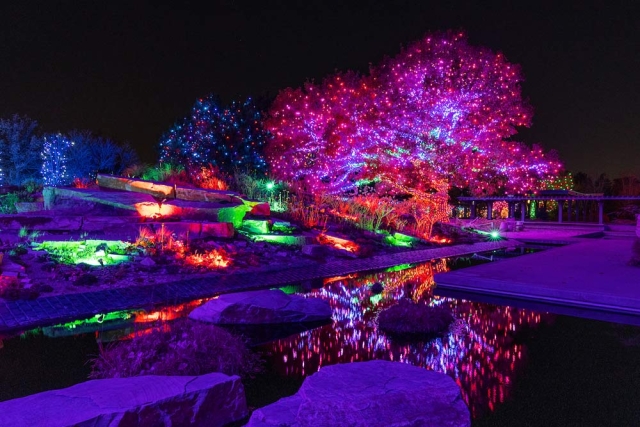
54	155
229	138
439	110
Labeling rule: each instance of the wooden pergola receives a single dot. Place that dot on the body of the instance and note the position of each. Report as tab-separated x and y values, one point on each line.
561	197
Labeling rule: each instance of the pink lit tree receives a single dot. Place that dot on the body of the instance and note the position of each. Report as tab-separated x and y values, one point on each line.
440	110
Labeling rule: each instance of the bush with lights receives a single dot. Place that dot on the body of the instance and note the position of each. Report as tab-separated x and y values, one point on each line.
228	137
55	159
440	110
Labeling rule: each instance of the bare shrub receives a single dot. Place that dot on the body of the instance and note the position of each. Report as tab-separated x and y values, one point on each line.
409	319
184	347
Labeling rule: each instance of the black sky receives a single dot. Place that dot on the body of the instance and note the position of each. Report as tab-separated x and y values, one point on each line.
128	70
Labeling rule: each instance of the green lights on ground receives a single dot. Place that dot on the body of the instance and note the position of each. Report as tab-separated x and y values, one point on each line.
235	214
390	240
492	234
91	252
257	226
399	239
282	227
278	239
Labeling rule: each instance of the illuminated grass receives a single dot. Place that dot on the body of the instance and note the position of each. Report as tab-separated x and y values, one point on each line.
92	252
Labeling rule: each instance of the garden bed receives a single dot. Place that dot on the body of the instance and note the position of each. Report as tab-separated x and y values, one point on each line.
57	267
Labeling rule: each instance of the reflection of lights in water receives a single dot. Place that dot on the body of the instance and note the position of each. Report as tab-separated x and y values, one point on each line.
479	352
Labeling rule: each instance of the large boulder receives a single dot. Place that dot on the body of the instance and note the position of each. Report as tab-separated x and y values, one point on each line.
208	400
261	307
375	393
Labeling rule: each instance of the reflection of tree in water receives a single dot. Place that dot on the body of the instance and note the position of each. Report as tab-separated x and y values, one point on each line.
480	353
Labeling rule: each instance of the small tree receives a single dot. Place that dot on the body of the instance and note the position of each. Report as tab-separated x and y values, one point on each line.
126	157
229	138
19	150
55	158
80	164
93	154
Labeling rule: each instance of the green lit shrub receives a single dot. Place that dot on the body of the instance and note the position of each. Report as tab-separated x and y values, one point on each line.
165	172
92	252
8	203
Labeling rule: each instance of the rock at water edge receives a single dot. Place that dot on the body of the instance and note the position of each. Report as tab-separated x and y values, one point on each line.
207	400
262	307
372	394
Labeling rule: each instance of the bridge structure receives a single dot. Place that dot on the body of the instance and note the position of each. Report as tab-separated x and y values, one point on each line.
575	203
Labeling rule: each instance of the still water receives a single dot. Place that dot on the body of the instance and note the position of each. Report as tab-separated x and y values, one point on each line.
514	366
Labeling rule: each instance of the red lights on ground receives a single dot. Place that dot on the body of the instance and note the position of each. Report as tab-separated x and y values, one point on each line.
215	258
338	243
167	313
437	239
156	210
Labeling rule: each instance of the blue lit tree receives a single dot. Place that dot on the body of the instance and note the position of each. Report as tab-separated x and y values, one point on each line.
94	154
55	159
229	138
19	150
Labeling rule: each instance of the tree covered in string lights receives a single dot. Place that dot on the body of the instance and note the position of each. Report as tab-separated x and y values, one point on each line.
55	158
228	137
440	110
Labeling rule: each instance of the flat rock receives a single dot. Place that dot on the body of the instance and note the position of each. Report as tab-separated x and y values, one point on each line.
98	223
208	400
261	209
156	189
261	307
29	206
315	250
40	222
218	229
256	226
203	195
371	394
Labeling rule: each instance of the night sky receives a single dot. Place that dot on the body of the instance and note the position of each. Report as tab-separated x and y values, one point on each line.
128	70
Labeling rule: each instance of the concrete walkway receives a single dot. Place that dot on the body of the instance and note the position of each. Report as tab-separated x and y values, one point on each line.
21	315
588	274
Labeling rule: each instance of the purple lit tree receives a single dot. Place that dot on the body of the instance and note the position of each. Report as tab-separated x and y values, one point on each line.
440	111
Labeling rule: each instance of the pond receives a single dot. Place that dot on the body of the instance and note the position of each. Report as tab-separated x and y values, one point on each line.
514	366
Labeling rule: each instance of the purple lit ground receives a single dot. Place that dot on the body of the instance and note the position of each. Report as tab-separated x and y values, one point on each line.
588	273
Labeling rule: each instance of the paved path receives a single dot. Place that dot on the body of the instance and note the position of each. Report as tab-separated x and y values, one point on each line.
588	274
21	315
